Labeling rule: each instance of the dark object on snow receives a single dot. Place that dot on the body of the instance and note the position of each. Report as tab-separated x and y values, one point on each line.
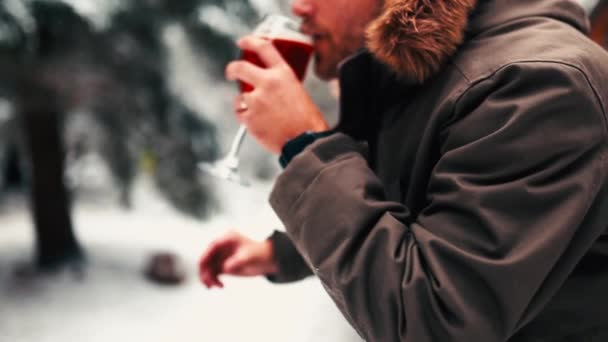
165	268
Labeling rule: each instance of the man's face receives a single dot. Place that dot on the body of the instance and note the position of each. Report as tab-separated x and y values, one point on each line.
337	28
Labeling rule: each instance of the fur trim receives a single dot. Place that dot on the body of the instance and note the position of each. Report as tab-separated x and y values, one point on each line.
416	37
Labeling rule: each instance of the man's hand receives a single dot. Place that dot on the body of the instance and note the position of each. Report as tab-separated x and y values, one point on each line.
237	255
279	108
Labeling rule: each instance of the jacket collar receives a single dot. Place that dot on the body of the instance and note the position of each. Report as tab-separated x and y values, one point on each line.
365	81
416	38
369	77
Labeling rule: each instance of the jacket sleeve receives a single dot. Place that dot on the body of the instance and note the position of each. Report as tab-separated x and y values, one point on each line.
510	210
291	265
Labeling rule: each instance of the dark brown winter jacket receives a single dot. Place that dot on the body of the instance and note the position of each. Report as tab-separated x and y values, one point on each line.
465	196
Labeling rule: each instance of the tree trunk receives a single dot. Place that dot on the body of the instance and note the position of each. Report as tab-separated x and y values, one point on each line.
56	242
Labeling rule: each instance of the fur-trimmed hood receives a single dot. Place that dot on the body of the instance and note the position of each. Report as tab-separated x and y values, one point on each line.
415	38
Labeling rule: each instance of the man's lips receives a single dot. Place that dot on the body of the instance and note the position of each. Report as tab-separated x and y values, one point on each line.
310	31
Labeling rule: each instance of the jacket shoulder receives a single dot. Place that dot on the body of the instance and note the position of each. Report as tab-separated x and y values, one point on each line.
536	44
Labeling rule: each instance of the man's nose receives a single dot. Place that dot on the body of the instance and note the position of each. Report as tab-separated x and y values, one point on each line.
302	8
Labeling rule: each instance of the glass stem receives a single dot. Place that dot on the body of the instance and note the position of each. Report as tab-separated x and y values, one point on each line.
237	142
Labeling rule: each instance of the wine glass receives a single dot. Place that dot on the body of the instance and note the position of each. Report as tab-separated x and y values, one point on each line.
296	49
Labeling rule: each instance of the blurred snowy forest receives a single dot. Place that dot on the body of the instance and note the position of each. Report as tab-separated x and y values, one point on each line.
139	83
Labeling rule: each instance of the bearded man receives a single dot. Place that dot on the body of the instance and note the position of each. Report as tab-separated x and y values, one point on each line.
463	194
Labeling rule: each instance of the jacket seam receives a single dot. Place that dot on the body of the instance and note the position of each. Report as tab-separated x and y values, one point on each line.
461	72
324	168
604	135
493	73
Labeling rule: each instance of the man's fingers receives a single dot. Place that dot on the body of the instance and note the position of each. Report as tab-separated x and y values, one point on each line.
235	263
212	260
232	265
207	257
245	72
238	103
210	279
204	277
216	248
262	47
213	279
241	105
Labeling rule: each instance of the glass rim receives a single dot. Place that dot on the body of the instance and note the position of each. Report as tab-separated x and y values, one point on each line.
279	26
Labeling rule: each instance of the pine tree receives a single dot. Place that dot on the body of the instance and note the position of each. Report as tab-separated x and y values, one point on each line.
56	63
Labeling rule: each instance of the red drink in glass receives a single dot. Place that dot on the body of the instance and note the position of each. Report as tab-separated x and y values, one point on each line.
296	53
296	49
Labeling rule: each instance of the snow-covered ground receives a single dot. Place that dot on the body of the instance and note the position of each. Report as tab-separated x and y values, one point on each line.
112	300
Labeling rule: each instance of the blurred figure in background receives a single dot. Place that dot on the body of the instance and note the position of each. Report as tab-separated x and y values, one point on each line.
463	194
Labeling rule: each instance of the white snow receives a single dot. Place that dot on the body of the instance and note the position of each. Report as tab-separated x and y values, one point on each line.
112	300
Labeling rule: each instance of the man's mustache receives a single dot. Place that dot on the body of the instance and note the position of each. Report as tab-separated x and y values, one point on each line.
307	27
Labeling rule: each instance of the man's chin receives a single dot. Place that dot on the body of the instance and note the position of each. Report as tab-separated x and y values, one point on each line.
324	72
325	76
